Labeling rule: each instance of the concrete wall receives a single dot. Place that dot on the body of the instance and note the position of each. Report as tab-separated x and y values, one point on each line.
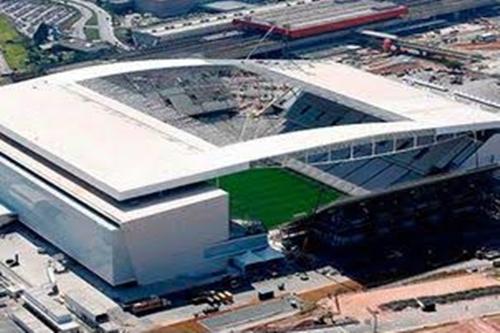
171	245
161	247
85	236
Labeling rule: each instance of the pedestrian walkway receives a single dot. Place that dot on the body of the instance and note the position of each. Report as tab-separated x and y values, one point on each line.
4	66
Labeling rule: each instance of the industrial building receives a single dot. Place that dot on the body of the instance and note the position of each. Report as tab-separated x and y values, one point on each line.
120	6
423	9
285	19
296	22
165	8
322	17
113	163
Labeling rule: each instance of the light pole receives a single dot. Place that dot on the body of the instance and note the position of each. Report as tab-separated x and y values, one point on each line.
374	314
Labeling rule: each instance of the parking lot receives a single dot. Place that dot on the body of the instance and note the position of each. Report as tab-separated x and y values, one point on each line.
29	14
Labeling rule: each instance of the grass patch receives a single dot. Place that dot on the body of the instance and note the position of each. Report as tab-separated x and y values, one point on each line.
274	196
92	20
124	35
92	33
13	45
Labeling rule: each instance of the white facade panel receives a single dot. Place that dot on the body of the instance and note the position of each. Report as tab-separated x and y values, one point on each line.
171	245
77	231
156	248
102	142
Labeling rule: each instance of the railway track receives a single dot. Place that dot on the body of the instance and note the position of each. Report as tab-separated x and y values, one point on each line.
235	47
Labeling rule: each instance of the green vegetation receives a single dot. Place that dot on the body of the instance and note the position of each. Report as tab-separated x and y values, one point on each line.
274	196
124	35
14	47
26	58
93	20
91	28
92	33
453	64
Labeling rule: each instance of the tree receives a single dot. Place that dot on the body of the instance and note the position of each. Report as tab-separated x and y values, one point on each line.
41	34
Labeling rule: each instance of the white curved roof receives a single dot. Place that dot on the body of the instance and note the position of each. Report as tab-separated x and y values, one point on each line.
126	154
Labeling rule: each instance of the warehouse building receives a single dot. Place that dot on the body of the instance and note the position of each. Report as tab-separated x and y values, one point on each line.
165	8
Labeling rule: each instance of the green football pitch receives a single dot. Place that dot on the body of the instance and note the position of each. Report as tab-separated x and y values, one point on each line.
274	196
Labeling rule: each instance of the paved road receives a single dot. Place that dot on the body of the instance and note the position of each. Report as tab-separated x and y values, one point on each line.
4	67
79	26
105	21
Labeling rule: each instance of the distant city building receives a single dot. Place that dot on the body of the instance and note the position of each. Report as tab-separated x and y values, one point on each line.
121	6
226	6
165	8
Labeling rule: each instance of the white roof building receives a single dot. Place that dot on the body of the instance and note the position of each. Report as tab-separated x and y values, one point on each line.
125	193
126	154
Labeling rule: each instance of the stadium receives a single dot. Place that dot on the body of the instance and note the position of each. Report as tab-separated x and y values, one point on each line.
173	170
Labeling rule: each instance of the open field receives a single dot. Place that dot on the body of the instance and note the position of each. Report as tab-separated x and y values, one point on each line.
339	288
13	45
274	196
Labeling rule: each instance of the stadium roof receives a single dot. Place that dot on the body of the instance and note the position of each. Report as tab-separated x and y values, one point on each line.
127	154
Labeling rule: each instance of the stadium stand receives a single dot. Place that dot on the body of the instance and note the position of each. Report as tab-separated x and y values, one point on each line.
218	105
382	172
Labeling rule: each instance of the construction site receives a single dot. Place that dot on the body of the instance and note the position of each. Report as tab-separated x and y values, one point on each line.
326	196
407	246
339	175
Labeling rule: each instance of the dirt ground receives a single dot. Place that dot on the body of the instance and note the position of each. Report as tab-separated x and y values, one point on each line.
356	304
184	327
477	325
317	294
493	46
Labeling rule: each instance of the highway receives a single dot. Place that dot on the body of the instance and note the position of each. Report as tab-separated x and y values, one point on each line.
78	28
105	21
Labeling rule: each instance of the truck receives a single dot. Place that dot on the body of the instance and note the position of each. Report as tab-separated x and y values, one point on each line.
154	303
